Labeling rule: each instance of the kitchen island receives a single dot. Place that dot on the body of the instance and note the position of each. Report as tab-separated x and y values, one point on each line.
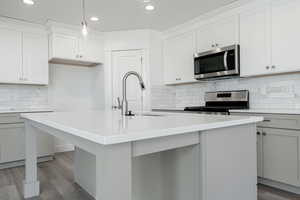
160	156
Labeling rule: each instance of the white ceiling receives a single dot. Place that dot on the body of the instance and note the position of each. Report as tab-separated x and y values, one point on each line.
114	14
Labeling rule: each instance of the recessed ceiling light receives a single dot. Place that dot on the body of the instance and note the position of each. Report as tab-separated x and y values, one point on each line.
149	7
94	19
28	2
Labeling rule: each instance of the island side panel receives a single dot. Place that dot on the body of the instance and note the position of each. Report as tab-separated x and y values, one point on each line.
114	172
31	184
228	163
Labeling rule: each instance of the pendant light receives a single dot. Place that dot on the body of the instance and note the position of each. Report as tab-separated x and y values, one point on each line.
84	29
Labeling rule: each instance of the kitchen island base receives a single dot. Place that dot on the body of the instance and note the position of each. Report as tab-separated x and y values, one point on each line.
208	165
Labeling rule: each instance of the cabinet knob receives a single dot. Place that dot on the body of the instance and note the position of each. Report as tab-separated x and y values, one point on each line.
217	45
268	67
264	133
257	133
81	56
212	45
273	66
178	79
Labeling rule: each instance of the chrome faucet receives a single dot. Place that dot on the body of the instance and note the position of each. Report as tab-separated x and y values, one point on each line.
124	104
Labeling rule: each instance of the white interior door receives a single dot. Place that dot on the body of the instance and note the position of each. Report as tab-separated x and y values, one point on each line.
123	62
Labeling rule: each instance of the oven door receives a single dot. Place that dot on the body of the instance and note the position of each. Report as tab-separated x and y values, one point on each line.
216	63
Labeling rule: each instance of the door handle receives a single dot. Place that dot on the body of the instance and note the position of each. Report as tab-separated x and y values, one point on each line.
225	60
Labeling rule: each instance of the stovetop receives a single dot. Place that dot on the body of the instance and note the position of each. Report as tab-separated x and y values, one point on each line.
223	101
206	109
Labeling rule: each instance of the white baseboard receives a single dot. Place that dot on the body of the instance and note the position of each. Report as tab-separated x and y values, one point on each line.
64	148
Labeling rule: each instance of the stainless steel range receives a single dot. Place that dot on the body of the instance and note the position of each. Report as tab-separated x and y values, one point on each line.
221	102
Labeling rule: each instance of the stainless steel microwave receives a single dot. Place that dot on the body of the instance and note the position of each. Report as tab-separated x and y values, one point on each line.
220	62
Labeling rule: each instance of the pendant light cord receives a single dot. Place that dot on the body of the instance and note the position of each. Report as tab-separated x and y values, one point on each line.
83	11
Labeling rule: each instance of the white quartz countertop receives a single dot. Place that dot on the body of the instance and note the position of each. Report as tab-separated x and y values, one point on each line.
108	127
24	110
269	111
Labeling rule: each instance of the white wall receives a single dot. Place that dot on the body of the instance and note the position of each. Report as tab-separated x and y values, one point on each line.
76	87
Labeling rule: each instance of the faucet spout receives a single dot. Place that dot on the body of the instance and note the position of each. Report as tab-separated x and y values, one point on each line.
124	83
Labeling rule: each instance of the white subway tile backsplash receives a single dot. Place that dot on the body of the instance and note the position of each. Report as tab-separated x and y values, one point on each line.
280	91
23	96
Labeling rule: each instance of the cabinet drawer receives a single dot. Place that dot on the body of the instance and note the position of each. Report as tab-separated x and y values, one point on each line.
10	118
276	120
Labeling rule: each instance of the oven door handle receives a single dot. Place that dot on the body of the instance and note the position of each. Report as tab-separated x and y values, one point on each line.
225	60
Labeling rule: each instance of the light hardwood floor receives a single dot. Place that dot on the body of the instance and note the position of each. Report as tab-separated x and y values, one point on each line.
57	183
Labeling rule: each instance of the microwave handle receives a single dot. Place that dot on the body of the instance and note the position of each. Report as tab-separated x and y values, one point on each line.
225	60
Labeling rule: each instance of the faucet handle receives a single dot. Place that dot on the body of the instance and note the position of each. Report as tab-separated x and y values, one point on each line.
119	103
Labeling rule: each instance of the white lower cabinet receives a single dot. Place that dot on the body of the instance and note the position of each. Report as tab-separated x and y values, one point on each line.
280	152
259	153
12	142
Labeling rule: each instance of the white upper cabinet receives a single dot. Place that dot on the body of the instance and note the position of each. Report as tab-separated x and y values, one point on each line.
254	42
63	46
285	31
91	49
205	38
220	33
72	48
178	58
23	56
35	59
269	38
10	55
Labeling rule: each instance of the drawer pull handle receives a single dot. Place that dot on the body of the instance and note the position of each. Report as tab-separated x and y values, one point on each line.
267	120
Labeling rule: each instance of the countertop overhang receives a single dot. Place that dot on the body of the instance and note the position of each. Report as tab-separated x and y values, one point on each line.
108	127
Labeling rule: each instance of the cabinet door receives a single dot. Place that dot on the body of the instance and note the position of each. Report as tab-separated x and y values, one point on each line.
285	35
179	59
259	152
12	144
255	57
206	38
281	155
35	58
218	34
91	49
10	56
64	46
226	32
